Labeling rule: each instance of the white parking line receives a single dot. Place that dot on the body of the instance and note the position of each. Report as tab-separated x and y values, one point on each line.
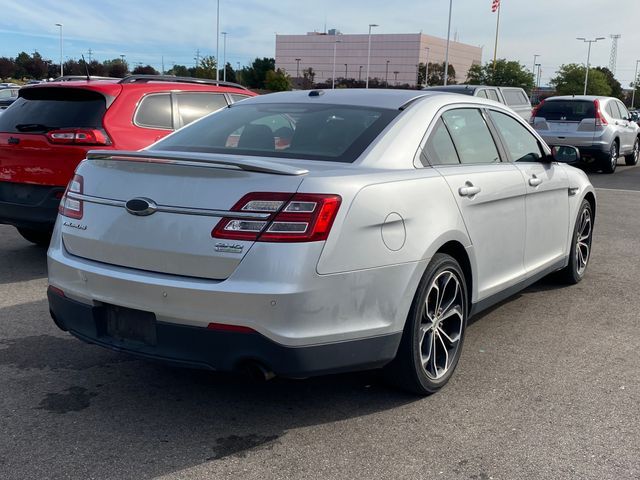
617	190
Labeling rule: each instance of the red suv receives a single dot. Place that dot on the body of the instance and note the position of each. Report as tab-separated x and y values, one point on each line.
49	129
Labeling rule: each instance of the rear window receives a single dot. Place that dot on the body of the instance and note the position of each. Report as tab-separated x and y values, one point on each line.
336	133
43	109
514	97
570	110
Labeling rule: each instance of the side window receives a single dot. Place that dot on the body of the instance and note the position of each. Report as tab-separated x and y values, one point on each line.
155	111
192	106
519	142
512	97
236	97
624	113
492	95
481	93
439	149
471	136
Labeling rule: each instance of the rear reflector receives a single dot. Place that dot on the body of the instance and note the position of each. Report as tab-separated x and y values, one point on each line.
56	291
300	217
72	207
222	327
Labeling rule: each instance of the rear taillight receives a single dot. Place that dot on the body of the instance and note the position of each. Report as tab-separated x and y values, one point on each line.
600	120
79	136
534	112
69	206
300	217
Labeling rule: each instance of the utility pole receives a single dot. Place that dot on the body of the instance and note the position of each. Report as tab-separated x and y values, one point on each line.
386	74
197	59
613	58
586	76
635	85
426	69
61	58
90	52
345	71
224	57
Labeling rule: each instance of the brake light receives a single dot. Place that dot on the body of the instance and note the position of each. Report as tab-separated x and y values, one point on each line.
534	112
72	207
600	120
79	136
300	217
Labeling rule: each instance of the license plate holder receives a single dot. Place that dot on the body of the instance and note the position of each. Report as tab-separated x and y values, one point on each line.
130	325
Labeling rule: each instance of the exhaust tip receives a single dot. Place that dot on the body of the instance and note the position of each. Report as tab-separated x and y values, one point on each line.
257	372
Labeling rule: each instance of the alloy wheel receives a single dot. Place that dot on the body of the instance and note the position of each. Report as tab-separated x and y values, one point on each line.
583	241
442	324
636	151
614	155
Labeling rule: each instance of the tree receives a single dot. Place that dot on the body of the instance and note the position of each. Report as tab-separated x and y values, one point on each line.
616	87
308	77
207	67
146	70
117	68
7	68
277	81
179	71
231	73
255	76
505	74
569	80
436	74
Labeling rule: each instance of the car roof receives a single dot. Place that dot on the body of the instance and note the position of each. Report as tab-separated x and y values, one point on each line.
588	98
372	97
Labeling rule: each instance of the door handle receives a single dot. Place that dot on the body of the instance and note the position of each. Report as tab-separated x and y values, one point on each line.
469	190
534	181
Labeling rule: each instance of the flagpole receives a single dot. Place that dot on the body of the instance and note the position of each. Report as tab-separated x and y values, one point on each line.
495	49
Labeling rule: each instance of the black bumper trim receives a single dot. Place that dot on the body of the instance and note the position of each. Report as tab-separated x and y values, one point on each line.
226	351
29	206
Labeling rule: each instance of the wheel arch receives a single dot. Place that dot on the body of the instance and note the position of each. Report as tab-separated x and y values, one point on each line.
591	198
456	250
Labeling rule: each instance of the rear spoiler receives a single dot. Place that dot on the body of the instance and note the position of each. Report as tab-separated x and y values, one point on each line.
197	159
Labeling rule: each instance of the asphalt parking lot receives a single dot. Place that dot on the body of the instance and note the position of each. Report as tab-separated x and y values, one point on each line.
548	387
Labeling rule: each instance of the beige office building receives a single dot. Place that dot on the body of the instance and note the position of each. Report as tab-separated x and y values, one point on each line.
394	57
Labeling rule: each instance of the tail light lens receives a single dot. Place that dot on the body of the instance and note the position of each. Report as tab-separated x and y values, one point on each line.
72	207
79	136
534	112
300	217
600	120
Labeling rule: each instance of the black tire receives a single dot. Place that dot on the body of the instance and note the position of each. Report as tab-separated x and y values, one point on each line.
632	158
610	159
407	370
573	272
39	237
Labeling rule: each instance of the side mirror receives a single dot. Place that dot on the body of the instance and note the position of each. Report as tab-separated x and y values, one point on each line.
565	154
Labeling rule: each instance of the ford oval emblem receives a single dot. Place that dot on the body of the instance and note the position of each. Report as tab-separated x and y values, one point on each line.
141	206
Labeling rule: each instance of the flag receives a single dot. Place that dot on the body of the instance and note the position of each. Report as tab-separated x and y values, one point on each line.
495	5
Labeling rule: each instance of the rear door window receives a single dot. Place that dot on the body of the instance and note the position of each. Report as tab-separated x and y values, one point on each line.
155	111
493	95
471	136
195	105
519	142
39	110
567	110
439	149
482	94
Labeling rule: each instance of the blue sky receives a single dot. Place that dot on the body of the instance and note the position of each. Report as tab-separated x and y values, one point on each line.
147	30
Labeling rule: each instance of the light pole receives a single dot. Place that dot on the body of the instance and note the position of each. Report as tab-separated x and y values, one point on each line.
360	74
533	69
218	40
536	82
345	70
61	67
586	75
298	67
386	75
426	69
333	76
635	85
446	55
396	77
371	25
224	56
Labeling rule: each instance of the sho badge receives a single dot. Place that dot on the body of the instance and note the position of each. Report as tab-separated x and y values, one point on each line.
75	225
229	247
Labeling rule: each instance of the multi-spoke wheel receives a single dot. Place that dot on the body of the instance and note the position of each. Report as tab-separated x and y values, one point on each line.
632	158
580	245
434	332
610	161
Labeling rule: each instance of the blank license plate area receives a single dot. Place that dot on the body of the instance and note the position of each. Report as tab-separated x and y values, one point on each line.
128	324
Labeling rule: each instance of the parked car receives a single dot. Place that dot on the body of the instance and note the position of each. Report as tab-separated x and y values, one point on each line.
8	95
52	126
601	128
515	98
365	239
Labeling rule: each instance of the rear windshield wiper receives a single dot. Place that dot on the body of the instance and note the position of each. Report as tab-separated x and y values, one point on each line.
34	127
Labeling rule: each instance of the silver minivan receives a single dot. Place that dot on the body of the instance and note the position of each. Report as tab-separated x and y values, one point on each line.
600	127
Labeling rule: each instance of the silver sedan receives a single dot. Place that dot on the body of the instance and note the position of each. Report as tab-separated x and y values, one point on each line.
312	232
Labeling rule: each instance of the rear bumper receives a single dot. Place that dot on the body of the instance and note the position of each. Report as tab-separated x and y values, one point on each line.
225	351
29	206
